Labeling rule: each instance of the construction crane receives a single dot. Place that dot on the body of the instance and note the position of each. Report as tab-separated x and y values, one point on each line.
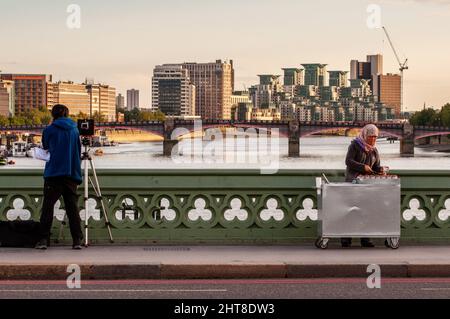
403	66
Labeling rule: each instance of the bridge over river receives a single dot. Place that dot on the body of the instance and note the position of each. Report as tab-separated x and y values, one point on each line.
172	129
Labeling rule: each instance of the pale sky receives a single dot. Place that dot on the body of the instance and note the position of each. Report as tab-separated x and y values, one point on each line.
120	42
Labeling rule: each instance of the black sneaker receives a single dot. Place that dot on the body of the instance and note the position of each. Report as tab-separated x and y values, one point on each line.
367	244
42	244
346	242
76	245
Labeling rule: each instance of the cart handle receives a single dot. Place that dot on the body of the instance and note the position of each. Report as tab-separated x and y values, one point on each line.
325	178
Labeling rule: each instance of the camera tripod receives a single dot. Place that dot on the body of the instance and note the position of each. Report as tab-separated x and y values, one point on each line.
87	162
86	159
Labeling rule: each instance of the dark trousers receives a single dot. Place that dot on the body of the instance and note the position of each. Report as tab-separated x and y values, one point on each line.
349	240
54	188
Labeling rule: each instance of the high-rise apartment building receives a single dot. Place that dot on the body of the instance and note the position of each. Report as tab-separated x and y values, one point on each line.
329	93
7	97
359	88
338	78
293	76
315	74
265	94
172	91
390	86
240	97
360	70
369	70
132	99
30	90
376	69
120	101
213	88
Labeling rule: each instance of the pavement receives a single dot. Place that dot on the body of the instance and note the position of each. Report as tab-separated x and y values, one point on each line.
224	262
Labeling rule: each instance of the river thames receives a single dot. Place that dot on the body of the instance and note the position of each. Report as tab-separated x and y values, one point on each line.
315	153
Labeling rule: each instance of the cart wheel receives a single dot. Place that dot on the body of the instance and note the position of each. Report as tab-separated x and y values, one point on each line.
392	242
317	242
322	243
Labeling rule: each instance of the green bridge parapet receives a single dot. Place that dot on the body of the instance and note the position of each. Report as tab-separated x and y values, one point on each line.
221	206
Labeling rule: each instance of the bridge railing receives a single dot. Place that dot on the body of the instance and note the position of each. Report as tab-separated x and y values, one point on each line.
222	207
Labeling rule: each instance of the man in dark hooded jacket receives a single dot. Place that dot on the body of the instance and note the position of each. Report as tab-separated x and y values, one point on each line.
62	174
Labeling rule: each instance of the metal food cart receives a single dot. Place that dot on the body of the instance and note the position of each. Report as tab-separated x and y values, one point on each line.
367	208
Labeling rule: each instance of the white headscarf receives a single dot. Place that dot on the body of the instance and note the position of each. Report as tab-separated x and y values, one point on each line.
368	130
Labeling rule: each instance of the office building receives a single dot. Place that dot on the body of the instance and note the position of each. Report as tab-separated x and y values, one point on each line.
213	88
390	87
84	98
376	69
360	70
172	91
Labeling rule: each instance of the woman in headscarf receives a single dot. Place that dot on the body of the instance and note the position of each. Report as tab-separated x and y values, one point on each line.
362	159
362	156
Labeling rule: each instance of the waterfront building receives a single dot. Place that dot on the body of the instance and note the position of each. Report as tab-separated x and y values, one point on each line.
287	110
7	98
390	86
293	76
266	94
306	91
214	84
369	70
240	97
329	93
173	93
338	78
84	98
30	91
315	74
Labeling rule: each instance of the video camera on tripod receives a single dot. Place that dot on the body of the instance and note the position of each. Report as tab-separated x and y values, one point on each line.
86	127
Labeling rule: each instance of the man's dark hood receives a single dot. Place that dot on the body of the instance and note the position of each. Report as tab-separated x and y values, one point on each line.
65	123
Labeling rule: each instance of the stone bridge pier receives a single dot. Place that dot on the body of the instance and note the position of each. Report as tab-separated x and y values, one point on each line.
294	139
407	141
169	143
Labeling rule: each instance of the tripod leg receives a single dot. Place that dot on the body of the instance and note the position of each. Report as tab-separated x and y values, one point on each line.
86	199
99	195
